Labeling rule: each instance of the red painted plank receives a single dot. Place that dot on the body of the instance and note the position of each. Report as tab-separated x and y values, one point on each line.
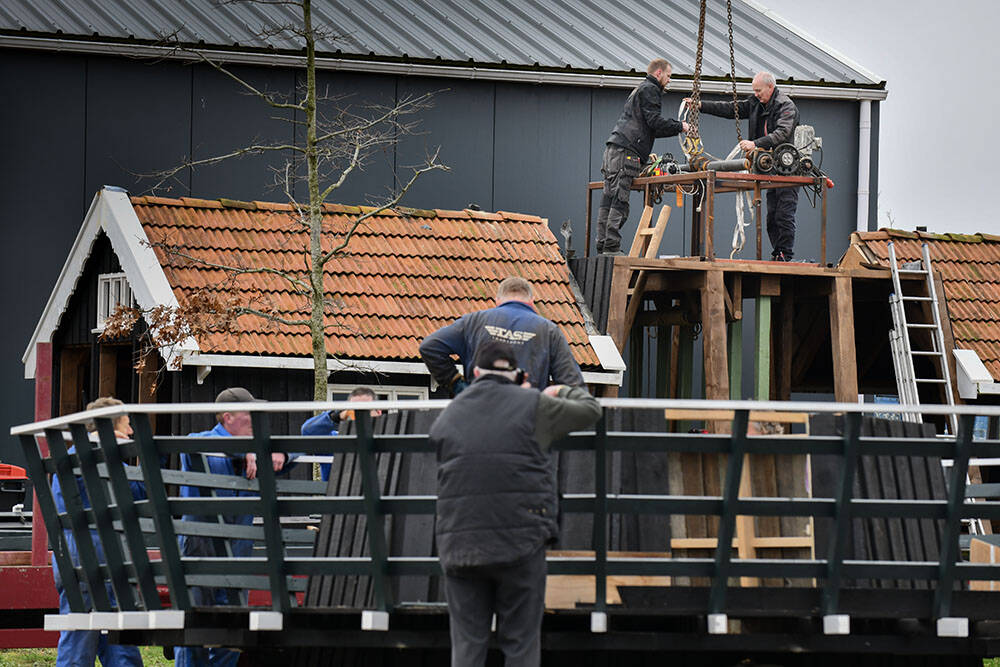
32	638
27	587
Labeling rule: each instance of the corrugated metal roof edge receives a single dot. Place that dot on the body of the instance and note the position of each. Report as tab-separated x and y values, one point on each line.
419	67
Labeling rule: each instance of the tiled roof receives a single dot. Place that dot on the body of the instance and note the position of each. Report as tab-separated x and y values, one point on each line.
969	265
403	275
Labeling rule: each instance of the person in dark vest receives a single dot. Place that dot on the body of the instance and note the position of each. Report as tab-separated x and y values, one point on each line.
496	507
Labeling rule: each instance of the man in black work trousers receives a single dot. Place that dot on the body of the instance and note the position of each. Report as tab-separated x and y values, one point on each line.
628	149
773	119
496	507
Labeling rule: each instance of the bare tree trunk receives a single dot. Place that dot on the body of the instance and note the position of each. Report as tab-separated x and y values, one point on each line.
317	321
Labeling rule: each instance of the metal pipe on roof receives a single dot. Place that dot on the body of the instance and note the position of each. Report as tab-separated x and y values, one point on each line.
864	162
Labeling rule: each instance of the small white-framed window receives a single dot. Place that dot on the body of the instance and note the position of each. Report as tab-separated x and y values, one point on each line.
340	392
112	290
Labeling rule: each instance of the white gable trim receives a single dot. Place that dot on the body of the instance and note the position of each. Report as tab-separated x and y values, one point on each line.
111	211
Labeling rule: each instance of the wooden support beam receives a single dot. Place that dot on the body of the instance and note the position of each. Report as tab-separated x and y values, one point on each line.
845	369
735	341
745	532
617	304
785	344
713	326
762	351
781	416
660	318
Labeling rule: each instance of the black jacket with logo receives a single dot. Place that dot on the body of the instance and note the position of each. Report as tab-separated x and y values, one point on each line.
641	122
771	124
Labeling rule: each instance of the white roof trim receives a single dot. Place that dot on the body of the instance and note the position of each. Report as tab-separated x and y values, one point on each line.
973	376
332	364
111	211
837	92
812	40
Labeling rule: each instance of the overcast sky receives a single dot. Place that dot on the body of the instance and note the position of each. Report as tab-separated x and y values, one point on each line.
939	165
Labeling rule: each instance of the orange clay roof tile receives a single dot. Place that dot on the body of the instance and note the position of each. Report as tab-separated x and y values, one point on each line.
969	266
404	274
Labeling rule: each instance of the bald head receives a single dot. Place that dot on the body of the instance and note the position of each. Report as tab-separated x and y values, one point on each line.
763	86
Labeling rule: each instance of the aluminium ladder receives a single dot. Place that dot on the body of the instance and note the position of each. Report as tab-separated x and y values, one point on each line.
903	354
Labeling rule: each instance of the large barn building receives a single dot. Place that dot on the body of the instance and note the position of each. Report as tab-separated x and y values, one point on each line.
525	95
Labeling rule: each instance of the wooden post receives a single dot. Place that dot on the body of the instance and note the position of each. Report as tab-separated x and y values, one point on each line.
586	247
43	410
785	345
617	303
770	287
845	370
713	326
707	215
762	356
822	228
663	366
756	214
735	340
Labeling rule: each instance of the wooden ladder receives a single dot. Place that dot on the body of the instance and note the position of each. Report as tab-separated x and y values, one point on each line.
646	245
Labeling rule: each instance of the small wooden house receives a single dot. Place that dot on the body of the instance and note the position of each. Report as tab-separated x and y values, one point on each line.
404	274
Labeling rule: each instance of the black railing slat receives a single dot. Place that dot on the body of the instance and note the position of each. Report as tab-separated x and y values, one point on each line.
269	512
156	491
89	562
956	497
100	504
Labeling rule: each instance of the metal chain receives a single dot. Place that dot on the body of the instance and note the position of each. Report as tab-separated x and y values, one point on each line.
732	71
696	80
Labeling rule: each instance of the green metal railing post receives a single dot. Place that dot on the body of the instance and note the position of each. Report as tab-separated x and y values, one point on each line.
89	562
100	505
129	516
601	513
57	538
730	506
953	524
375	519
156	491
842	514
269	512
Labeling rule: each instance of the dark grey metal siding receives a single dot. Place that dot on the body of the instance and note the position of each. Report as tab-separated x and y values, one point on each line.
76	123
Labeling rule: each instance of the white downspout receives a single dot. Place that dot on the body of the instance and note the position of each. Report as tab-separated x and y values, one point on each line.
864	162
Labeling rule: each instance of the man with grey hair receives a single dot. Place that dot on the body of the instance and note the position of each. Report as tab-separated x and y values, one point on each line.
541	348
773	118
627	149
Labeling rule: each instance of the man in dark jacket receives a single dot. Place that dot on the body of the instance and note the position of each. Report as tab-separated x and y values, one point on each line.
496	507
541	348
628	149
773	118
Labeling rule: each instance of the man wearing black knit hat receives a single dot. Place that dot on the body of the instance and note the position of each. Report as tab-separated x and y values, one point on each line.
496	507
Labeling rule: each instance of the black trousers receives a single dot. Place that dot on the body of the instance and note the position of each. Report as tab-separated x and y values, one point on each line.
620	167
781	206
515	593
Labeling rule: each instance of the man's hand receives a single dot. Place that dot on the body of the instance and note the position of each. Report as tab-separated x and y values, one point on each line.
553	390
687	128
251	466
687	103
277	461
748	145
